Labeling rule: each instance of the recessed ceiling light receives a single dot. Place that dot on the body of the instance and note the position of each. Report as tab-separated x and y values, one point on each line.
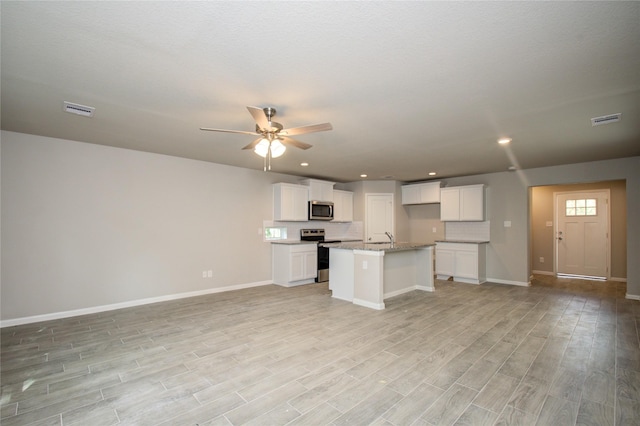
432	173
363	175
504	141
304	164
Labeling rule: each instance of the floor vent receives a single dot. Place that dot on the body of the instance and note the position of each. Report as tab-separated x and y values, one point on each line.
85	111
606	119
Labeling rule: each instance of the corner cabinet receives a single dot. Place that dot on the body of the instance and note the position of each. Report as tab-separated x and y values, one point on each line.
290	202
342	206
462	203
294	264
421	193
465	262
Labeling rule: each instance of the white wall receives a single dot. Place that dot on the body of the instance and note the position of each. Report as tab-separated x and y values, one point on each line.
86	226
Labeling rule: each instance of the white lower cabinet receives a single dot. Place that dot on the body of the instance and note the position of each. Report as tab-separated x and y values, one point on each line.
294	264
465	262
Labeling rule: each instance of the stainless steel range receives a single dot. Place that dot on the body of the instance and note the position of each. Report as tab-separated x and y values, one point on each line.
323	252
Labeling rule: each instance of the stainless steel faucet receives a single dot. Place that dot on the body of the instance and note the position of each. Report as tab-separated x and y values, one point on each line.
390	237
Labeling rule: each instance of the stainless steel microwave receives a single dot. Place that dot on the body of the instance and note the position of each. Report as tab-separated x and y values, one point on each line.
320	210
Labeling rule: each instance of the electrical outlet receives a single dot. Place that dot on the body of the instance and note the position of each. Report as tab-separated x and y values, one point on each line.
204	274
365	264
542	260
434	230
209	273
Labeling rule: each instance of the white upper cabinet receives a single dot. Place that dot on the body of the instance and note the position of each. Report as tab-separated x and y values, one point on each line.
319	190
290	202
342	206
421	193
462	203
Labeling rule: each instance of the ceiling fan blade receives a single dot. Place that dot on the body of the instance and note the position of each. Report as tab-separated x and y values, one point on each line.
252	144
259	116
229	131
306	129
293	142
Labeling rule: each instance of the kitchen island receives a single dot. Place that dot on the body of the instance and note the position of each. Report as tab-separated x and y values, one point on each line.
367	273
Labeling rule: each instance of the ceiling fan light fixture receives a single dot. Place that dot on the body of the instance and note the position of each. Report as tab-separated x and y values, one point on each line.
277	148
262	149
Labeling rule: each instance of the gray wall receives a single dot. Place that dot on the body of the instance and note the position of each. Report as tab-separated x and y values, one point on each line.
543	239
86	225
508	255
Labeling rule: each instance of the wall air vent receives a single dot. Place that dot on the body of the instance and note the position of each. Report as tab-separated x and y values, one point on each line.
85	111
606	119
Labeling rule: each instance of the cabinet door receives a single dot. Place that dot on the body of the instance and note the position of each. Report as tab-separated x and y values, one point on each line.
472	203
297	270
445	262
449	204
300	204
342	206
410	194
466	264
310	264
429	193
290	202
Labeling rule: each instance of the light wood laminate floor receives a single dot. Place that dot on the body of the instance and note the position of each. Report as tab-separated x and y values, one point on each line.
562	352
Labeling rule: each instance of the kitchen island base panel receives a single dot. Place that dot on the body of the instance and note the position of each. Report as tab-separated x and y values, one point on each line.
368	277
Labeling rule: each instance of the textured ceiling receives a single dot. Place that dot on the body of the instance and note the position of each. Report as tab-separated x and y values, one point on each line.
409	87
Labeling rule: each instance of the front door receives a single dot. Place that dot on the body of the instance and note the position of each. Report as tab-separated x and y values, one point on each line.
582	233
378	217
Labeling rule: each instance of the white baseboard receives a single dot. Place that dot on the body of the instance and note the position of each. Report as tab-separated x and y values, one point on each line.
367	304
632	296
543	273
425	288
518	283
129	304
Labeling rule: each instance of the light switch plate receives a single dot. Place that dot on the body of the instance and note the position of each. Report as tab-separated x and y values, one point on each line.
549	223
507	224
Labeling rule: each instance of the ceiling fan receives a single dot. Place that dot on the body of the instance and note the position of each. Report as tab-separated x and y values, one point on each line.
273	137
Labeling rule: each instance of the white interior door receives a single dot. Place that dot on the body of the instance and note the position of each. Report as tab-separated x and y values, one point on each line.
378	217
582	233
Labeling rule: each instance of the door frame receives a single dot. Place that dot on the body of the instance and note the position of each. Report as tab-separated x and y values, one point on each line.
607	193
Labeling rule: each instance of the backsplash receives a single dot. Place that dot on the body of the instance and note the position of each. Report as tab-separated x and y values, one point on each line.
471	231
333	231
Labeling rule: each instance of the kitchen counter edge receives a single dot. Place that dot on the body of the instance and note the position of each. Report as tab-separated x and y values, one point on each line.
378	246
462	241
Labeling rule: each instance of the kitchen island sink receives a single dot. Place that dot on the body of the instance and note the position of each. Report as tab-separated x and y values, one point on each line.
367	273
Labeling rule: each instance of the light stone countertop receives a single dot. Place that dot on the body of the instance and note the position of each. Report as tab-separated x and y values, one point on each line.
293	242
463	241
386	247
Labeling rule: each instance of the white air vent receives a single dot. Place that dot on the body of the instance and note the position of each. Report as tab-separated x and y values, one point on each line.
606	119
85	111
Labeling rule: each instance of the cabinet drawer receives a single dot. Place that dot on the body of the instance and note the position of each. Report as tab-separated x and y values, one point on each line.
458	247
303	248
